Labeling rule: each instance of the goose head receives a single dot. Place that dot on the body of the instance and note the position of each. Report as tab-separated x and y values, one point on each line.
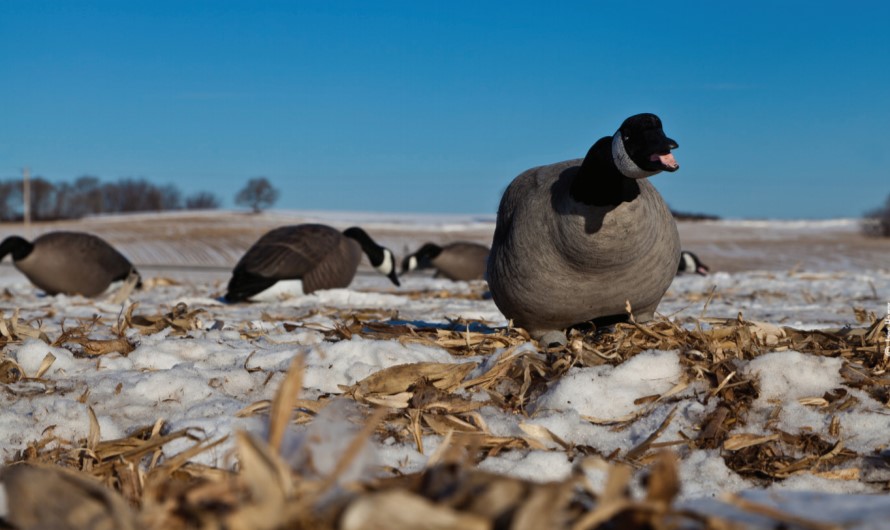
422	258
640	149
381	258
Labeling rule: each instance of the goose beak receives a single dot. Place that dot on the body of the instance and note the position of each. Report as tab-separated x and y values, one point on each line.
701	269
394	278
667	161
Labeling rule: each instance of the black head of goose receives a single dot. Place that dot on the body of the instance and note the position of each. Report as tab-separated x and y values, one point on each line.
458	261
320	256
579	240
68	262
690	263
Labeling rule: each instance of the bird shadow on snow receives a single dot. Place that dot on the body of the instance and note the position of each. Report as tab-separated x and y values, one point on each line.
475	327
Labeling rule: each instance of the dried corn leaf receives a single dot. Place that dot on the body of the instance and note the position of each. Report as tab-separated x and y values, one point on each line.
640	450
180	319
126	288
841	474
95	347
401	510
813	401
663	484
400	378
742	441
14	330
767	334
45	365
283	404
543	435
443	424
267	479
545	507
393	401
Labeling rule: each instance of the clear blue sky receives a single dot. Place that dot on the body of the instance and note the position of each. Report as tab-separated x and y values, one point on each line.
781	109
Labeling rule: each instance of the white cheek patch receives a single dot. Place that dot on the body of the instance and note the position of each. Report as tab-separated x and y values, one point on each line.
282	290
113	286
623	162
689	263
388	263
412	263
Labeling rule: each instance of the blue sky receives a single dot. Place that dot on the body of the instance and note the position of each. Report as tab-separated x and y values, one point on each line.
781	109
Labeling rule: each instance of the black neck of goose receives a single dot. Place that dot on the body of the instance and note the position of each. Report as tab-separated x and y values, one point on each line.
599	182
17	246
370	248
428	251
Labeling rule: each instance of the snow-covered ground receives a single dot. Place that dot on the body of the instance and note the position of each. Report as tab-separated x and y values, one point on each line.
204	371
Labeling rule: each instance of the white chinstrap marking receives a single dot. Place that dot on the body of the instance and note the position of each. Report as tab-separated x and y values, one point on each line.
412	263
689	263
623	162
388	264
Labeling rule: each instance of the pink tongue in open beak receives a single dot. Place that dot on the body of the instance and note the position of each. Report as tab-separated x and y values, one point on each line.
665	160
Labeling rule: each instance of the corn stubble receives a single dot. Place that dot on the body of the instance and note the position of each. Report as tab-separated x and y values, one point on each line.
132	483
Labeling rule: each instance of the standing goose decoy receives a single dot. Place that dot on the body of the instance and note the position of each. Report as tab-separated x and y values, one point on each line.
575	241
68	262
689	262
458	261
320	256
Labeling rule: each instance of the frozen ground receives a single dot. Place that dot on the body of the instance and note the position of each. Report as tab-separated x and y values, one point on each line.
223	359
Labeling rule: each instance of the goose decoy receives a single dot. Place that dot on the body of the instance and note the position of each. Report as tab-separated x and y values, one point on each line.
68	262
459	261
577	241
689	262
320	256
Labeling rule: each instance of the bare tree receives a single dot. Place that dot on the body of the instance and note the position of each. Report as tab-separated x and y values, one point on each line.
42	198
139	195
10	200
89	194
203	200
877	222
169	198
258	194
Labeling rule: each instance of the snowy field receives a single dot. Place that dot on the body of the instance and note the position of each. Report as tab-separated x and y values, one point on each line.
806	436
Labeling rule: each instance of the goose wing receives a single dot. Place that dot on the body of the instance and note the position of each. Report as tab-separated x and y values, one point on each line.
289	252
336	269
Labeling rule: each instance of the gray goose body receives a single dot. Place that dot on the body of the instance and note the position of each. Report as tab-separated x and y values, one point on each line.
557	261
458	261
68	262
320	256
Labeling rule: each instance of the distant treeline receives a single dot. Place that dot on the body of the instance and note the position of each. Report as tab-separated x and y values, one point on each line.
877	222
687	216
89	196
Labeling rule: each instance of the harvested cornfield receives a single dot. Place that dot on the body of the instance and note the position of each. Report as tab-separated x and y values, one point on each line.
758	399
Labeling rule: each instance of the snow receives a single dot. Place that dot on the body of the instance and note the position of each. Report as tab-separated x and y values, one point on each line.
616	387
236	355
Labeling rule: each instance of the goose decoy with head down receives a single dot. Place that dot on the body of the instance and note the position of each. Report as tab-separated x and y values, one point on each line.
68	262
689	262
459	261
578	241
320	256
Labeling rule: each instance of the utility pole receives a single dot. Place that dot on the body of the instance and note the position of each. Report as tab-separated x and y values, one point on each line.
26	197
